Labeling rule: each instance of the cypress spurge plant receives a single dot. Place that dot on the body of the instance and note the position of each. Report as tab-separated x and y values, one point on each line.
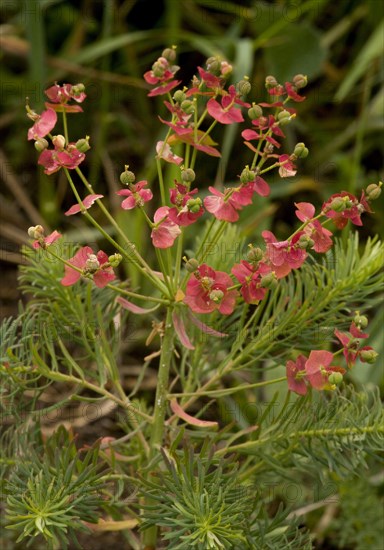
193	463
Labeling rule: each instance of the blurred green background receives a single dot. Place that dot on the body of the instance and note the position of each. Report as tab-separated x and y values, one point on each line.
109	44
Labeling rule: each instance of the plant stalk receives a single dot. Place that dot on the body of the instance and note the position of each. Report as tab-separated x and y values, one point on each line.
157	430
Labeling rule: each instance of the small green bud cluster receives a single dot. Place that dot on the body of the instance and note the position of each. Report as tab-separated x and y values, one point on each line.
191	265
194	205
373	191
41	144
255	111
188	175
254	254
115	259
305	242
127	177
300	151
244	86
360	321
271	82
82	145
269	280
247	175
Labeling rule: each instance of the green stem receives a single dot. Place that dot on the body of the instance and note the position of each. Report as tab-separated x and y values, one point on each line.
138	261
227	391
157	429
65	127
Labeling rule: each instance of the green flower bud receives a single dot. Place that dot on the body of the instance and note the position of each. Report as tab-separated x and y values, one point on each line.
373	191
368	355
188	175
284	117
127	176
188	106
335	378
169	54
243	87
255	111
305	242
360	321
300	151
338	204
254	254
191	265
115	259
41	144
78	89
216	295
82	145
269	280
247	175
270	82
194	205
213	65
300	81
179	96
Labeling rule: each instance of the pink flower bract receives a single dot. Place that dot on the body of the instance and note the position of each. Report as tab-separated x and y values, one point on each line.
43	125
295	378
54	159
224	206
47	240
164	235
136	195
318	368
250	279
101	277
87	202
207	290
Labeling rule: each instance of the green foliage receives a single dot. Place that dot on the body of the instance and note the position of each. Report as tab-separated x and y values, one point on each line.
53	490
201	503
361	515
318	434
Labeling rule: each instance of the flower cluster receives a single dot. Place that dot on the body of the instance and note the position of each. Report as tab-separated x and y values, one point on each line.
64	154
192	114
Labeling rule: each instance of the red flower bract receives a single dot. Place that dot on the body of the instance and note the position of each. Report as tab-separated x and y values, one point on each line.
350	210
136	195
296	374
226	113
47	240
42	127
250	279
87	203
224	206
318	368
207	290
101	275
54	159
319	234
166	231
285	255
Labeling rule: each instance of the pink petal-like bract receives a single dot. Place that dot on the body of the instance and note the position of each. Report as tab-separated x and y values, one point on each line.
133	308
179	327
87	202
43	125
180	413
